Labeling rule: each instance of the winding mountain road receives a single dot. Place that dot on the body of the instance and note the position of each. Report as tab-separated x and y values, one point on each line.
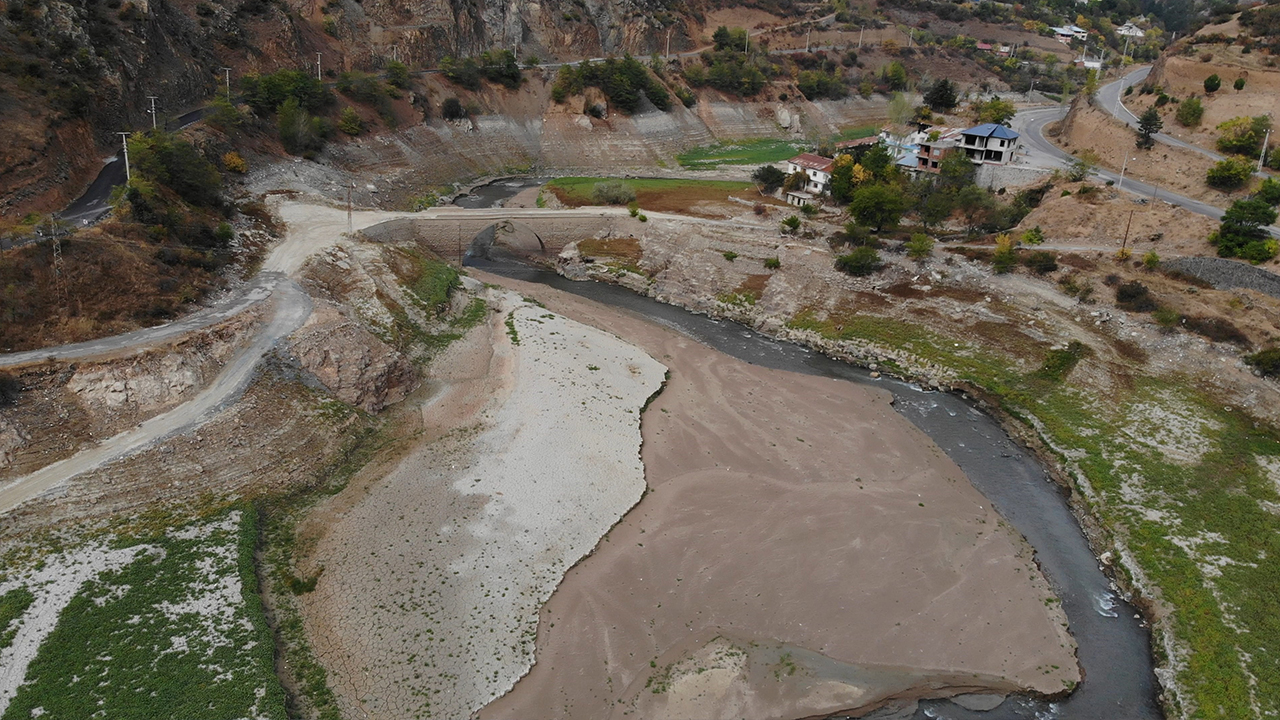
1042	153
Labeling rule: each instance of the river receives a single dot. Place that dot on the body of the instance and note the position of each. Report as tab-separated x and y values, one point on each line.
1114	643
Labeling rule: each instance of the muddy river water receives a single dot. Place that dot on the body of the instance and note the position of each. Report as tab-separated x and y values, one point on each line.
1114	644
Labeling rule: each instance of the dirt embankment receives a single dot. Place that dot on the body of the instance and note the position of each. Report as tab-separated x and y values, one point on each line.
1183	171
1182	76
1101	217
64	407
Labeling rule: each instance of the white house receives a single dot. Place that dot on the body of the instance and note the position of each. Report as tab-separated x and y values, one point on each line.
816	168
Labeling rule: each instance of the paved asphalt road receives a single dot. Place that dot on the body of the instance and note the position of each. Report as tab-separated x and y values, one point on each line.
1111	98
1042	153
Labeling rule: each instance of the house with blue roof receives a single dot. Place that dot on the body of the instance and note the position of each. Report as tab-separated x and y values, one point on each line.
989	143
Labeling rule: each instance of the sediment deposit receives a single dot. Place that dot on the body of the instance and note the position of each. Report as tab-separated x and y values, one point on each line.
434	575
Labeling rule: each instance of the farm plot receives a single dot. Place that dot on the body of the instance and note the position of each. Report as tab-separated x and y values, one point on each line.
164	624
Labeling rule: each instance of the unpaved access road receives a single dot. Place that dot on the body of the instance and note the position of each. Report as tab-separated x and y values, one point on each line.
291	307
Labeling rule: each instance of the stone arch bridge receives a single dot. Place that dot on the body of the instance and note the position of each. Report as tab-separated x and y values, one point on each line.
453	233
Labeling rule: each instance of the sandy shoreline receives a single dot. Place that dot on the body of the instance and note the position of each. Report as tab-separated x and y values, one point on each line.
789	515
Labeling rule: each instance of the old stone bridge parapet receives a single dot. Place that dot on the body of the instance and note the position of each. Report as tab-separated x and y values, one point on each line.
452	232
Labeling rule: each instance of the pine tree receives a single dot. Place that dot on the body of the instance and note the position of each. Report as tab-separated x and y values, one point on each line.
1149	124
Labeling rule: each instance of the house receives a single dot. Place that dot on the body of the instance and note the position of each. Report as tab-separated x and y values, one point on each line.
1004	51
1067	33
989	143
940	142
817	170
983	46
1088	63
1130	30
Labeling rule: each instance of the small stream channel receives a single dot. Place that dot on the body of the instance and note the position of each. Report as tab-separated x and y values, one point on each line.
1114	645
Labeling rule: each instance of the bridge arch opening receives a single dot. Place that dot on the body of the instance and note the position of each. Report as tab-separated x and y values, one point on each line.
506	237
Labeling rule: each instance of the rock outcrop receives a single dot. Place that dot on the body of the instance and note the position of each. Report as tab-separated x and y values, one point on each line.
350	361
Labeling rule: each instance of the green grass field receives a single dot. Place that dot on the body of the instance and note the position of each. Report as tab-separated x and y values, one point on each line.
657	194
743	152
178	632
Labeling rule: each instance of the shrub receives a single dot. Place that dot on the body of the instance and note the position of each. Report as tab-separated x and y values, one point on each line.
9	389
1034	236
300	133
1212	83
175	163
772	263
233	162
1238	84
1243	135
790	224
1229	174
397	74
877	205
624	82
1190	112
451	109
1151	260
266	93
919	247
1166	318
1266	361
1134	297
633	207
1269	192
1216	329
1242	232
1004	259
349	121
809	209
1041	262
769	177
862	261
224	234
612	192
730	255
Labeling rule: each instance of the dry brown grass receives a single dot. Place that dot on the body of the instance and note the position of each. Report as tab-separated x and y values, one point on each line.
618	248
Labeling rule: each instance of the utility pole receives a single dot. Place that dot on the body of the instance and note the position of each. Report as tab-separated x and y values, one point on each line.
350	230
861	29
59	278
124	142
746	43
1125	242
226	74
317	66
1126	45
806	38
1262	156
669	31
1125	164
1032	89
152	98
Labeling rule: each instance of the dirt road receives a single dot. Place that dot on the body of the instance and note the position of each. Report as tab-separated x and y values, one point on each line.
290	308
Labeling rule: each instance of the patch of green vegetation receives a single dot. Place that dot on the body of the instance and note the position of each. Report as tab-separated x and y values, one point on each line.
1059	363
578	190
741	299
858	132
432	282
12	605
511	329
743	152
161	637
277	545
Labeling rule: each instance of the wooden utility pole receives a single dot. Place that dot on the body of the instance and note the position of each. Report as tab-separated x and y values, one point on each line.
350	230
1125	242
